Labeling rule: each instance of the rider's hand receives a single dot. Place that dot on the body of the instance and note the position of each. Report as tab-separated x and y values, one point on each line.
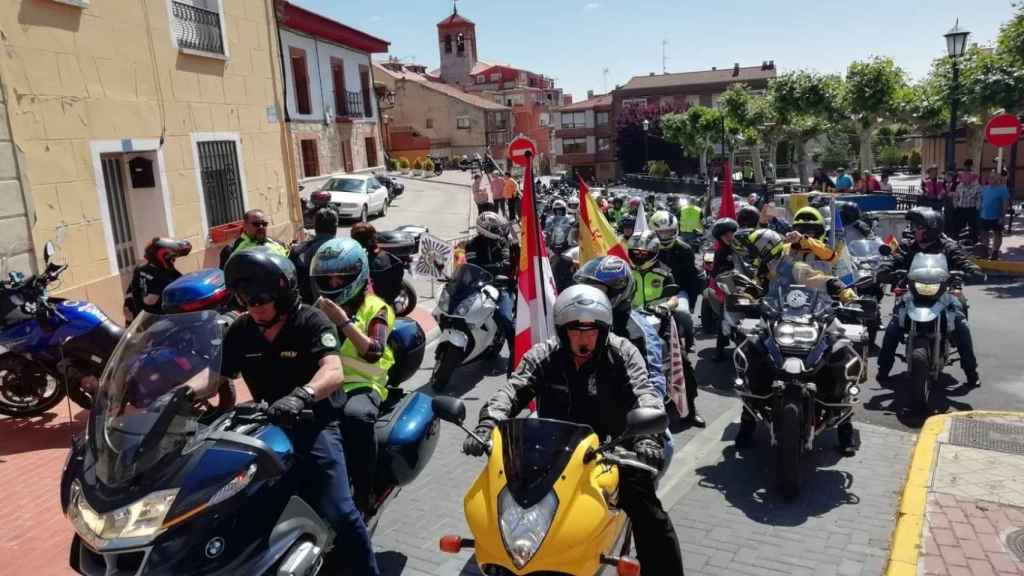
287	409
847	295
650	452
474	447
334	313
794	237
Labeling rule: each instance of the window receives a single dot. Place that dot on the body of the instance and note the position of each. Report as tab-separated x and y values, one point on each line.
574	146
222	185
300	76
447	43
338	79
601	118
120	213
497	139
196	25
574	119
460	44
545	119
716	100
430	123
498	120
310	158
371	154
604	144
364	83
462	122
495	76
481	79
634	102
692	100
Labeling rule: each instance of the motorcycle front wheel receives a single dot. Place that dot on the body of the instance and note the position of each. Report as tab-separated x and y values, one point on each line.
448	359
405	302
789	447
26	387
919	376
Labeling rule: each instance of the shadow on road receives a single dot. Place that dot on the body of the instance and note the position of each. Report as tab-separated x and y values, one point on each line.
1005	288
43	432
747	480
893	398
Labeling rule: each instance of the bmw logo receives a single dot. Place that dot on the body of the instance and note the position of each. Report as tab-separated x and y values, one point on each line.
214	547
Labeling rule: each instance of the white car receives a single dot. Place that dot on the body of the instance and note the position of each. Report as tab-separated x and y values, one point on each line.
357	196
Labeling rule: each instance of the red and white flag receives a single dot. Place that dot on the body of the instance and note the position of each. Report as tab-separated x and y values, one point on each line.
536	299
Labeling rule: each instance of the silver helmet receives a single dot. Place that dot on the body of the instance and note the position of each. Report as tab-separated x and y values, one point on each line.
582	304
492	225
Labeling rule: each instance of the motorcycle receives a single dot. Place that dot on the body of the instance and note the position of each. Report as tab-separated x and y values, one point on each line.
866	260
403	243
161	484
802	335
546	501
465	314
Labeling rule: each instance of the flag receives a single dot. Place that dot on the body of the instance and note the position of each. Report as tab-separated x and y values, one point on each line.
844	269
597	237
536	284
641	221
727	209
677	372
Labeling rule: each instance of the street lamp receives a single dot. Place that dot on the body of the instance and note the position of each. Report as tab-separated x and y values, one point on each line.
956	45
647	127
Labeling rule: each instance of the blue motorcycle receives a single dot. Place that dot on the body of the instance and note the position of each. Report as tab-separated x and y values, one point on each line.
162	485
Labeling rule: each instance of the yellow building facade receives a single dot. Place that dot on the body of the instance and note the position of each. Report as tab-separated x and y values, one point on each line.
131	119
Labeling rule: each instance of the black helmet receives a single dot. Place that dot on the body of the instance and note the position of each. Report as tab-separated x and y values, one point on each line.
258	276
928	219
748	217
849	213
722	227
163	251
613	275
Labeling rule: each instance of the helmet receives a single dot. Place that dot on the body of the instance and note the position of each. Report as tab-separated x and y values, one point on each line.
163	251
722	227
574	203
492	225
613	275
643	249
635	202
628	222
809	222
344	258
665	226
582	305
258	276
559	207
762	243
617	201
849	213
929	219
748	217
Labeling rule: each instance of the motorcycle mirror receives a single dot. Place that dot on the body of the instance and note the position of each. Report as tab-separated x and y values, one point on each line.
644	421
449	409
48	251
885	250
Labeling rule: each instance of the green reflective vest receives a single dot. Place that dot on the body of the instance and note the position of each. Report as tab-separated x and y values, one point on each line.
358	372
245	243
650	287
690	219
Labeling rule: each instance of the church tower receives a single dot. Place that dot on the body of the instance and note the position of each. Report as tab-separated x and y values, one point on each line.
456	38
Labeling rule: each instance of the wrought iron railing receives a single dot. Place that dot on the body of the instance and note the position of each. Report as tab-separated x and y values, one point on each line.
197	28
352	105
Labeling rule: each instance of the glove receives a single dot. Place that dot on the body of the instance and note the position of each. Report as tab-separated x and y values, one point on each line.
650	452
662	310
847	295
287	409
474	447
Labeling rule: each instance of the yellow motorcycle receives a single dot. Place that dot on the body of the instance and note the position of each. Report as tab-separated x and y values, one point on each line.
546	501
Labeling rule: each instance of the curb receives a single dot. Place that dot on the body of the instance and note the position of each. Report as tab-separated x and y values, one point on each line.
433	181
906	536
1002	267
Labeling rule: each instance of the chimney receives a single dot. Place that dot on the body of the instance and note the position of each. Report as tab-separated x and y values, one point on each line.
651	74
771	64
590	94
736	69
713	68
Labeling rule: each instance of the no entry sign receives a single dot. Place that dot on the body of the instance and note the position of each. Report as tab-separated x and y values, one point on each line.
1003	130
518	149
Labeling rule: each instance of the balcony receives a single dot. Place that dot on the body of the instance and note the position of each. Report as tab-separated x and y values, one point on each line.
197	28
351	105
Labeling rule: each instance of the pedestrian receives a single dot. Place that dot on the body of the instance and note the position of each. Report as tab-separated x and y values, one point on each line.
933	190
481	196
885	186
868	183
498	193
965	199
511	191
843	181
822	182
995	201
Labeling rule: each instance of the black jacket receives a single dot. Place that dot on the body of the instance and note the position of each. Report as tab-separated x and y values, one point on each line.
680	259
148	280
956	258
599	394
491	255
302	256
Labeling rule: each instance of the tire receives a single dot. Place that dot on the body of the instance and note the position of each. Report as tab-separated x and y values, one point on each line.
448	359
27	388
707	316
919	378
405	302
789	447
364	215
383	209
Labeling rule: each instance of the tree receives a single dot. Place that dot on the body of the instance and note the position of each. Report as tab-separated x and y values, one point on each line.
630	139
696	131
1010	43
802	103
870	96
752	119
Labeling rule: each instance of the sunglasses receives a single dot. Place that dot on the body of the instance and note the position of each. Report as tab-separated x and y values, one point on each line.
260	224
255	301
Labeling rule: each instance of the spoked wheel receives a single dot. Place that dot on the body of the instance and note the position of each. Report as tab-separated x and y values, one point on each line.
26	388
789	447
920	387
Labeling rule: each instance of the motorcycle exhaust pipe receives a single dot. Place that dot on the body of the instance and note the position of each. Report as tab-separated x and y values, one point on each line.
305	558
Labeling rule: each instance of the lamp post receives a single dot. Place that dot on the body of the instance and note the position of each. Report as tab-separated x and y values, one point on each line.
956	45
647	127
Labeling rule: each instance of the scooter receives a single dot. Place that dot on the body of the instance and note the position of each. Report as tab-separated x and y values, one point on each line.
163	485
465	314
546	503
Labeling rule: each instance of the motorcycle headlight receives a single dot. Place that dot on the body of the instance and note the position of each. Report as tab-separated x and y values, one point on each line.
926	289
143	518
464	307
788	334
442	300
523	530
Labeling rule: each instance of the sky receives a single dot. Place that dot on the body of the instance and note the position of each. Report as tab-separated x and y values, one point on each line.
573	41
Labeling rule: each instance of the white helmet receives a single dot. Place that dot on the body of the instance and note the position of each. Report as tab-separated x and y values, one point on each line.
665	226
492	225
560	205
582	304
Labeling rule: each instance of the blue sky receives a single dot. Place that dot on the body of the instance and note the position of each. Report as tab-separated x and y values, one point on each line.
574	40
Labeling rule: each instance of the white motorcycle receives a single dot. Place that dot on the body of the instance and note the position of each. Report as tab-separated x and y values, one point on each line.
465	314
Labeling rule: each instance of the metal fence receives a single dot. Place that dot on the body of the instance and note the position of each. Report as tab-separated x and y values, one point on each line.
197	28
353	105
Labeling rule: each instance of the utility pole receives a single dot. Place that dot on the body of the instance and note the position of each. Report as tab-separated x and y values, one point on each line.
664	56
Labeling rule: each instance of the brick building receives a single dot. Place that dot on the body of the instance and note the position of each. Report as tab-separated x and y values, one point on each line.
585	138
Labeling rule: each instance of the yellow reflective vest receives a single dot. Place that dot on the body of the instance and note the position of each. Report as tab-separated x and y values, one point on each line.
358	372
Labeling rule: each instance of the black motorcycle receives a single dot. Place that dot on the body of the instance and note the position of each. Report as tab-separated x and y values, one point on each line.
403	244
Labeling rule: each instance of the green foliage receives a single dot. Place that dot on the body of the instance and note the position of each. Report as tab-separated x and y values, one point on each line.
417	164
428	165
1010	43
403	163
392	165
658	169
835	154
915	161
695	130
890	156
872	91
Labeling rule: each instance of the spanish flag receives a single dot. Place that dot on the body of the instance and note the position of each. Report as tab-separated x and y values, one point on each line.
597	237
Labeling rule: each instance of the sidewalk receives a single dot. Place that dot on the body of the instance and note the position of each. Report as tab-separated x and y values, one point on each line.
962	510
1011	257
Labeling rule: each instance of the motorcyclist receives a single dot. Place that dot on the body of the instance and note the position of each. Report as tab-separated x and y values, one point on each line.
281	342
854	225
592	377
387	271
563	267
254	233
807	240
617	211
149	280
490	250
678	256
724	232
626	226
340	272
691	222
301	255
558	222
927	224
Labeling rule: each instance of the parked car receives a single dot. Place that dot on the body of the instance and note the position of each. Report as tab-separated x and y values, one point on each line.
357	196
395	188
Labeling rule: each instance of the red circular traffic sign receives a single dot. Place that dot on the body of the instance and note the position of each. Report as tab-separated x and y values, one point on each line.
1003	130
518	149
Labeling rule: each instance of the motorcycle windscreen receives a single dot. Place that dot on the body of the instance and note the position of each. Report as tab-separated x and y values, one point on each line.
142	416
535	451
466	283
929	268
798	290
864	248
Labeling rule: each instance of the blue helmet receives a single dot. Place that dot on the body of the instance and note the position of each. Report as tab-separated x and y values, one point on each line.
339	270
613	275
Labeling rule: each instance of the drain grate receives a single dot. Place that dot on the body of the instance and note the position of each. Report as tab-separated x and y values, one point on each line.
1015	544
987	435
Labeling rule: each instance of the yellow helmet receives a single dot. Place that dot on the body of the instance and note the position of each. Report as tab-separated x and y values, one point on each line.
809	222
